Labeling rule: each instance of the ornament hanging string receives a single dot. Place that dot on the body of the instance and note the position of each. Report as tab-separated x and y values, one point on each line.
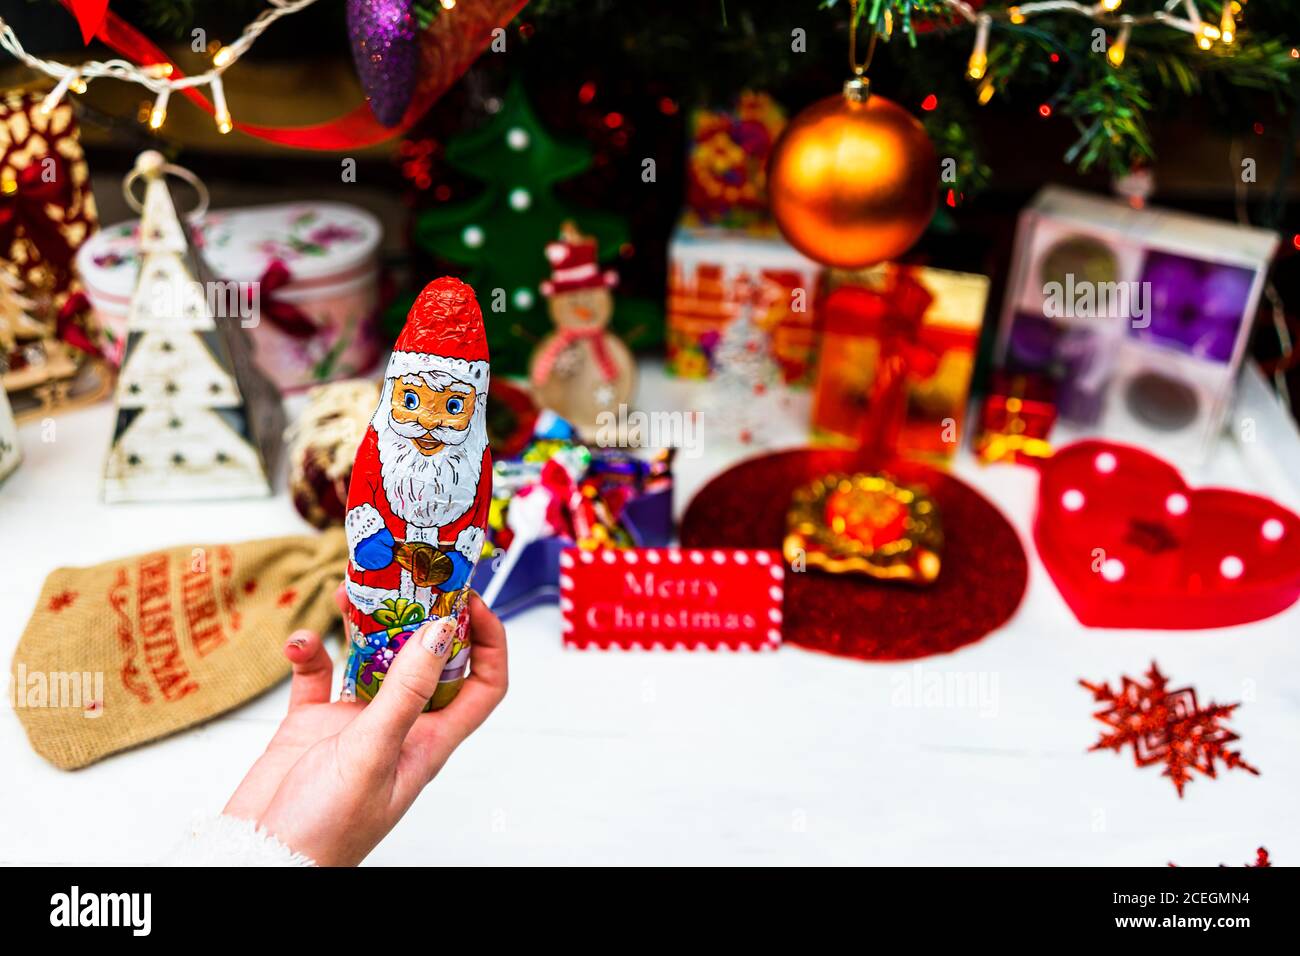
855	17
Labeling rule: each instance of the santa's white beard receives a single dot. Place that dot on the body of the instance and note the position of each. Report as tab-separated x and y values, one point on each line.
431	491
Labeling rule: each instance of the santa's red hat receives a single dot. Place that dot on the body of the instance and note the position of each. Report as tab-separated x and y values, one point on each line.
573	264
443	333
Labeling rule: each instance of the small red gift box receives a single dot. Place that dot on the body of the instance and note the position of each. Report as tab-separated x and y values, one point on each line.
1017	416
937	357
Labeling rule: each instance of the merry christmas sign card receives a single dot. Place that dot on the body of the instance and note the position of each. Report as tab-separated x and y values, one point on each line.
672	599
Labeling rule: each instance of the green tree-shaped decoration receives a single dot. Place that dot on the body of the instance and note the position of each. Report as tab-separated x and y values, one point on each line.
500	235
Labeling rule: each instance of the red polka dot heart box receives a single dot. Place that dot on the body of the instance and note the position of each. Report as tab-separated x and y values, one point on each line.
1130	545
672	599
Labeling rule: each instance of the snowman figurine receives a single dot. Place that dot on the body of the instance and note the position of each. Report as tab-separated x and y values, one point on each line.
581	371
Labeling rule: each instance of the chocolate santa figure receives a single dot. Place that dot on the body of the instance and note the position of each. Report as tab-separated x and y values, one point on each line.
581	369
418	503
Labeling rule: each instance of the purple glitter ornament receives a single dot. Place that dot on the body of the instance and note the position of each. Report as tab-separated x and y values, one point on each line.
384	48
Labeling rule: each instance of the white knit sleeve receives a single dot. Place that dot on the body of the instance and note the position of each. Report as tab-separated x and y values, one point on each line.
230	841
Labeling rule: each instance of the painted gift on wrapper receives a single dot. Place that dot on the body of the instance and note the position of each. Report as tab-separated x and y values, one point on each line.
421	486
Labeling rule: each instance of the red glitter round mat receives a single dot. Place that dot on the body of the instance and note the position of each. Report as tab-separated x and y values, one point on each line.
979	586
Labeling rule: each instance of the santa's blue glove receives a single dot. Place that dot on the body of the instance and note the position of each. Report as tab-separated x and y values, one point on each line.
376	551
461	569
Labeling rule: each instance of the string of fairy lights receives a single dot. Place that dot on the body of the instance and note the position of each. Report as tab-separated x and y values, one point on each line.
157	78
1177	14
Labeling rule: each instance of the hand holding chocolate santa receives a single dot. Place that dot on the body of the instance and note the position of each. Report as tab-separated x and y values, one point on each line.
417	507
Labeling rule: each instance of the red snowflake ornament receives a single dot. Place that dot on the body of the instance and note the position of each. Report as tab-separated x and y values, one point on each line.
1166	726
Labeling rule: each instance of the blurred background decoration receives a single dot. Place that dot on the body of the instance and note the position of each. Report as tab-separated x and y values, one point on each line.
1015	100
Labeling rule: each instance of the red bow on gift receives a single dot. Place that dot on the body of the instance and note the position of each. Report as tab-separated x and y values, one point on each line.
44	182
285	316
891	315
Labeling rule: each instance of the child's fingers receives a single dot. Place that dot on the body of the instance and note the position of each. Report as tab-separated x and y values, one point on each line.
313	671
341	599
407	687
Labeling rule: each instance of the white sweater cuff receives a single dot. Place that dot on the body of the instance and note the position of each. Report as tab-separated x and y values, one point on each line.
231	841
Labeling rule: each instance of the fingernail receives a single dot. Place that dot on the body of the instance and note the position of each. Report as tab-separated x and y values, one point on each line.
435	637
297	642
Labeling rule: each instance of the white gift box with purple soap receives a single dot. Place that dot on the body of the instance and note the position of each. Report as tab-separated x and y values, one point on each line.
1141	315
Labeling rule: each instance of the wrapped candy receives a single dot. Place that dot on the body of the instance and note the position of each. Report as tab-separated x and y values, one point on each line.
417	509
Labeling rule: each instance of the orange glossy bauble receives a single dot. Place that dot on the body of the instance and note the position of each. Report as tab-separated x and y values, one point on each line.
853	181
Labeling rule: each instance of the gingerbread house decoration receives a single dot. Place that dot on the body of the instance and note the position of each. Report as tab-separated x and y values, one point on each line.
195	418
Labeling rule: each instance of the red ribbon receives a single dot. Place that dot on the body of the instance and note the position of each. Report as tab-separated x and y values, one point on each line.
67	328
893	316
285	316
25	208
454	41
90	16
551	352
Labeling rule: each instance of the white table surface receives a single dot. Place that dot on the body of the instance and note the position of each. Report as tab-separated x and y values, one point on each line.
660	758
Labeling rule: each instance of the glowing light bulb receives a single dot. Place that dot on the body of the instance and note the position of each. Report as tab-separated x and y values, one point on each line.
517	139
1110	6
1014	14
1117	49
1227	25
979	57
1112	569
1206	34
224	57
448	4
221	113
78	84
158	115
985	92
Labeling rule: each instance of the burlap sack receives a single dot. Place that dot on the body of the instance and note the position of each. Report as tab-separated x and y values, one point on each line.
135	649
